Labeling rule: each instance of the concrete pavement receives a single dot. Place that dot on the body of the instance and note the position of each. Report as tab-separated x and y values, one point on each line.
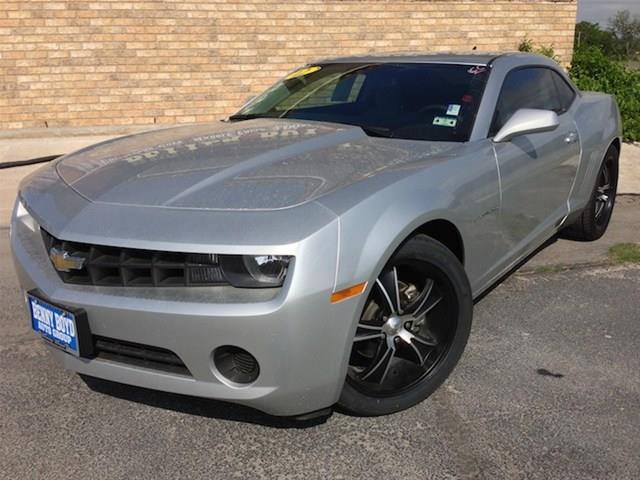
629	169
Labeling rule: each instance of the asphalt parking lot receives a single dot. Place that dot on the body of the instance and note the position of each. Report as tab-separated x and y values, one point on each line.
548	388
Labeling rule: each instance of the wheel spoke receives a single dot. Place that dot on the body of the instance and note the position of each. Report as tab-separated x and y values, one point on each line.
372	336
387	285
369	327
420	318
386	368
427	341
421	359
427	303
426	293
606	175
422	352
396	286
421	346
382	365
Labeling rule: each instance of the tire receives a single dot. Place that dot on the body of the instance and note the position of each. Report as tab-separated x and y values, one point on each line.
412	331
594	219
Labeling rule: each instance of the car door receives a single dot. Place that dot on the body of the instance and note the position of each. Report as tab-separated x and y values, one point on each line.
537	170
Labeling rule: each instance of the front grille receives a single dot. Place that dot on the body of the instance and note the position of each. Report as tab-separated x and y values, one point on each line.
139	355
113	266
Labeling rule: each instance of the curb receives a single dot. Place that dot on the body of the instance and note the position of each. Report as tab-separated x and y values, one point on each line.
561	267
60	132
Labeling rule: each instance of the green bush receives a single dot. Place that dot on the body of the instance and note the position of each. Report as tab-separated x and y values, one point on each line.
526	45
592	70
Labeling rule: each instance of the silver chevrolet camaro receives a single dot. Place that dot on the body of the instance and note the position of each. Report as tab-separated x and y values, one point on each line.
324	245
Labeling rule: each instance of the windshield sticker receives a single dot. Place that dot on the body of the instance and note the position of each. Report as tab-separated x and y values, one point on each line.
445	122
303	72
453	109
477	70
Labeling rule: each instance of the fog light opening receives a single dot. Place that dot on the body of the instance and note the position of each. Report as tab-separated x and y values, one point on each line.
236	364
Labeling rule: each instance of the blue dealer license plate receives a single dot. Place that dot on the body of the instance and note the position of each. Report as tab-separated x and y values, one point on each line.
55	324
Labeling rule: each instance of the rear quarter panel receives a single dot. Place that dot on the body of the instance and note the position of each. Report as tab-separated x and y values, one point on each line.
598	122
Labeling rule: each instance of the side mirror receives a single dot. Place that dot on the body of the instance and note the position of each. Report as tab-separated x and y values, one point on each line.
526	121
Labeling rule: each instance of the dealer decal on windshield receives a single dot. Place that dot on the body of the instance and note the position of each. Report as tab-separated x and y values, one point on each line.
445	121
453	109
477	70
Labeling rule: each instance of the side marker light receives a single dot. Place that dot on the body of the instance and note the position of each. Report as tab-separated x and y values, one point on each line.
349	292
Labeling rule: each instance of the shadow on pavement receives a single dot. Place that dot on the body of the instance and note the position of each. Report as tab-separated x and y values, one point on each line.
202	407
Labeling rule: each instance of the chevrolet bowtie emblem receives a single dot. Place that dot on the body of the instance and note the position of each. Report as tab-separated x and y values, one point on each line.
63	261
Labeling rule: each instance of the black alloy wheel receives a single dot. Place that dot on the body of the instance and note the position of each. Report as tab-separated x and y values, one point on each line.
413	328
594	219
605	193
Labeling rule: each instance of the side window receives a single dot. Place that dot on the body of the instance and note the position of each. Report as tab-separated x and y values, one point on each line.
525	88
566	94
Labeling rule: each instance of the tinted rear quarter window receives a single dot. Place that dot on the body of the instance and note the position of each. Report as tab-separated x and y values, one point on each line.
566	94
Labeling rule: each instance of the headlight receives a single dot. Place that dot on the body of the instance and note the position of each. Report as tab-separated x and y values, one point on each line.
23	216
267	268
21	212
255	270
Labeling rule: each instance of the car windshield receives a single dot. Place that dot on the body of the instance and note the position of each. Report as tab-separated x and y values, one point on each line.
416	101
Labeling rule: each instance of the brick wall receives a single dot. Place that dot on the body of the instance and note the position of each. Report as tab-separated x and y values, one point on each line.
86	63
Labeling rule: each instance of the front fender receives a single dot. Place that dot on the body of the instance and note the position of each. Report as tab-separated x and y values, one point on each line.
367	244
463	190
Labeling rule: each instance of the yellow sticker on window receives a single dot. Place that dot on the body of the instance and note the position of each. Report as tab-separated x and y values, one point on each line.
302	72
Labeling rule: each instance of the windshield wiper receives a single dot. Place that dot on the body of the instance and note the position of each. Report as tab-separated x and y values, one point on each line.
248	116
374	131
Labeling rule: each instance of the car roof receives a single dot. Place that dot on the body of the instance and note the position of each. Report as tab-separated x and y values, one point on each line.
472	58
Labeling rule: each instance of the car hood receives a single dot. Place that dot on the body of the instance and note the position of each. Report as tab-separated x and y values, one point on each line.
261	164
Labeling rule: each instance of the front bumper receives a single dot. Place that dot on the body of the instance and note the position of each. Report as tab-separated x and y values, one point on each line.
299	338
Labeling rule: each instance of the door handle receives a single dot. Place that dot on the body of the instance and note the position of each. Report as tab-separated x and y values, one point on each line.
571	138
